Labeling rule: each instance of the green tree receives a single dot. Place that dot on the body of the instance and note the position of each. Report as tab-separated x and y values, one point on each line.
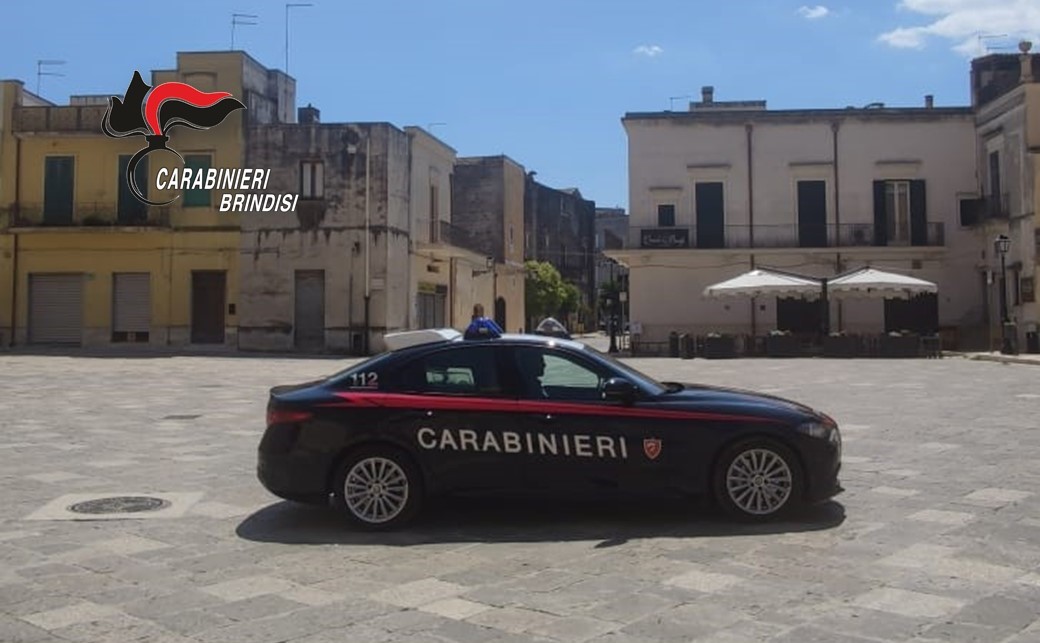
546	293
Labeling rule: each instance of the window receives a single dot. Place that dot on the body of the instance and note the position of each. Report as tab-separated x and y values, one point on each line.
59	180
312	180
435	221
665	216
197	163
472	370
131	210
994	174
511	238
897	212
554	376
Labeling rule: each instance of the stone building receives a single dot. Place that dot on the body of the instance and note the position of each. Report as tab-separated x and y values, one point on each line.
560	228
728	186
371	248
1006	99
488	203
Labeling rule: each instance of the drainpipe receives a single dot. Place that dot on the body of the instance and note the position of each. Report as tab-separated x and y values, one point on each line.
368	237
16	215
748	129
835	126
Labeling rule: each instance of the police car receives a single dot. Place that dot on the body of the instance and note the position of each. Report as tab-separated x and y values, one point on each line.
438	413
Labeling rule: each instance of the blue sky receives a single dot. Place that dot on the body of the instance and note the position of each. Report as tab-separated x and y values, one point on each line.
543	81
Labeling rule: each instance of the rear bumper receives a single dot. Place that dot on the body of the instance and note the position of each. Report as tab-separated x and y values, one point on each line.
295	477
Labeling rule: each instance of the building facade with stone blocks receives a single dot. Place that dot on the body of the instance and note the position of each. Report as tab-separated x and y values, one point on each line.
488	204
729	186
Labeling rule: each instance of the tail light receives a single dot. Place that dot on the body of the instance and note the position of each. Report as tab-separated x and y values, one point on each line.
286	416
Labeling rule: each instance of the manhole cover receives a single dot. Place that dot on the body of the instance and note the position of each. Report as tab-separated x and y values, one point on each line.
181	417
120	505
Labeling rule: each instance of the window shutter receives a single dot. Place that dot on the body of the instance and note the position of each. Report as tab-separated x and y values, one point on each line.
880	220
918	214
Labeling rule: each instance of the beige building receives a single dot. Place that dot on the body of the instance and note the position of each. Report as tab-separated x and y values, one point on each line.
371	248
1006	97
729	186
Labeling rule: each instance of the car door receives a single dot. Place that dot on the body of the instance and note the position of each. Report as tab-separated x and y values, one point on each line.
577	445
461	420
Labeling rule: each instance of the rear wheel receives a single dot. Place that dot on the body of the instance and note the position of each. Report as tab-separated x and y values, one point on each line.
379	488
758	480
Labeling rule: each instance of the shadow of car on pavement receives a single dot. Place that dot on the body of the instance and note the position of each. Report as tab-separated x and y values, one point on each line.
467	520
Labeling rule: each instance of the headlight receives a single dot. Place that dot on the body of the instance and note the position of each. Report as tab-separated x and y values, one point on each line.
821	431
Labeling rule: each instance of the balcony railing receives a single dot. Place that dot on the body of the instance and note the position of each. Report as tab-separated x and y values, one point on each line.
783	236
86	215
989	207
62	118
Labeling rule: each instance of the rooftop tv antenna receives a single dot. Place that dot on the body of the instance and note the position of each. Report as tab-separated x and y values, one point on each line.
241	19
41	72
672	99
986	49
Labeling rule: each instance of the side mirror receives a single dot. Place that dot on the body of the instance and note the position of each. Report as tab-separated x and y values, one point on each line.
618	389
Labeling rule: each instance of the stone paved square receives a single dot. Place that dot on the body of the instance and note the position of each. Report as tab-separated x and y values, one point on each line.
935	539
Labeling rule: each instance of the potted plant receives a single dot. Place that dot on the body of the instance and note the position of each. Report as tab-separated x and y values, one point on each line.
839	344
901	344
719	346
781	343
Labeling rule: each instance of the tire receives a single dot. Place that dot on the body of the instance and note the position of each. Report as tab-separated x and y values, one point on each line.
758	480
387	490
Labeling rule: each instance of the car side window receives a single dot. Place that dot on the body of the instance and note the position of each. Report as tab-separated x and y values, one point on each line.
557	376
466	371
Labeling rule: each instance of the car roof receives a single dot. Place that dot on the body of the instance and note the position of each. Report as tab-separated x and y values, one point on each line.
511	339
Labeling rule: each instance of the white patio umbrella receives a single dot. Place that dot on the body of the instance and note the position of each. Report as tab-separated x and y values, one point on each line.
871	282
765	282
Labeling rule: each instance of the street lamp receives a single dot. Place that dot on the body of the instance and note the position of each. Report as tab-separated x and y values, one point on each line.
1002	244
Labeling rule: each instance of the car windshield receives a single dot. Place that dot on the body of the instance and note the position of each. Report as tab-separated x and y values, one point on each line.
638	378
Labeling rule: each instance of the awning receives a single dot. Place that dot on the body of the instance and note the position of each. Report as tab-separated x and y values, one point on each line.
870	282
765	282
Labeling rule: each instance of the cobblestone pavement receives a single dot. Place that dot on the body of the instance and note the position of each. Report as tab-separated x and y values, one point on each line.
936	539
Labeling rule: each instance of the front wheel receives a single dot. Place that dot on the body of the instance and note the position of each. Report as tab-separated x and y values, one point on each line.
758	480
379	488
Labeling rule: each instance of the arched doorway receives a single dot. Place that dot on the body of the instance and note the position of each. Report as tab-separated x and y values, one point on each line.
500	312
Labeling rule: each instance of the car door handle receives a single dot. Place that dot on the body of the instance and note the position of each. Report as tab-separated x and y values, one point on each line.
546	418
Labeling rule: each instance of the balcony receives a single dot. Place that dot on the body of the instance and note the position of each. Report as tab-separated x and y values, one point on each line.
64	118
87	215
781	236
989	207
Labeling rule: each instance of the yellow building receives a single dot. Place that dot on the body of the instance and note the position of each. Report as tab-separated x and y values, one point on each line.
82	261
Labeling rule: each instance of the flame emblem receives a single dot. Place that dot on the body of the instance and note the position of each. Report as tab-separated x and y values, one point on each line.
152	111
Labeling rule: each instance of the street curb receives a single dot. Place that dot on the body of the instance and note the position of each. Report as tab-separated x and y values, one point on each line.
1002	359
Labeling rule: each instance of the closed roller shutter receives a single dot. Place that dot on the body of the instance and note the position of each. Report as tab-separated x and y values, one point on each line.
56	308
131	302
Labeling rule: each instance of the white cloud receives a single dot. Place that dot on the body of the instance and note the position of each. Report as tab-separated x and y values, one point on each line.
813	13
650	51
962	22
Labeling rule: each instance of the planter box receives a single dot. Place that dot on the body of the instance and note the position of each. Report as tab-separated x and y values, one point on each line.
720	347
842	346
909	346
783	346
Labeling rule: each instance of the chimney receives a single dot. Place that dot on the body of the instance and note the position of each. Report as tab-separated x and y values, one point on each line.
929	101
1026	61
707	94
308	115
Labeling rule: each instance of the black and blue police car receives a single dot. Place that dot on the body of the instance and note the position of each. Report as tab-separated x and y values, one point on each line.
438	414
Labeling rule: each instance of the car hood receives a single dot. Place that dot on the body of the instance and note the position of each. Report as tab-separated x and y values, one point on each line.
717	398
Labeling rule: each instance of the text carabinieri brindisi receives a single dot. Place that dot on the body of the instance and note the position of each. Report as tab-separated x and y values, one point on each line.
244	182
